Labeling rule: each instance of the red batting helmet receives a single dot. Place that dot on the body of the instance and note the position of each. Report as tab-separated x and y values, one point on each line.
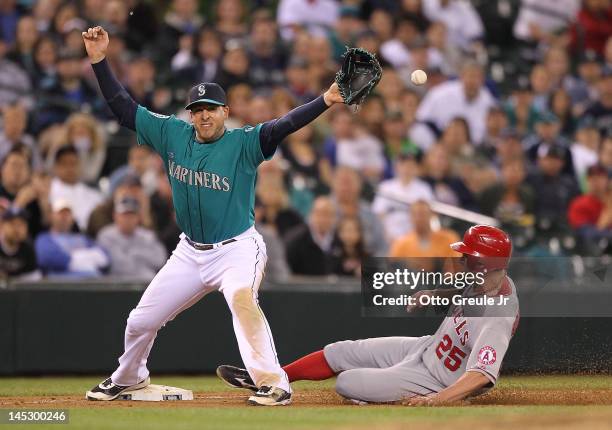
490	245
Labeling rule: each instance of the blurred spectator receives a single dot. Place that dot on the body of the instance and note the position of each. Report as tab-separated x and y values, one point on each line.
464	26
23	51
14	81
181	23
584	149
273	204
511	200
605	154
461	153
67	185
560	105
520	108
143	25
348	249
392	90
466	98
496	123
593	26
508	147
22	190
591	213
315	15
17	256
446	188
548	128
102	214
43	11
83	132
371	115
396	51
346	189
61	252
45	62
138	166
541	86
234	69
352	146
163	218
394	195
422	240
583	91
276	266
202	62
69	93
601	111
115	15
413	9
541	20
308	174
13	133
381	23
65	13
238	97
134	250
260	110
267	56
555	191
9	17
345	29
93	11
557	65
298	81
230	16
308	245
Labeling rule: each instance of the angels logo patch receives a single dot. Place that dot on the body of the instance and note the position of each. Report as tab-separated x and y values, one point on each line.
487	355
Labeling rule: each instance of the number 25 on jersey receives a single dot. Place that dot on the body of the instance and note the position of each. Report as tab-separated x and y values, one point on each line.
453	359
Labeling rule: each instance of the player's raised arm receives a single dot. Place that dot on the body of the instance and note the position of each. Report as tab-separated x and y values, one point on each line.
123	106
275	131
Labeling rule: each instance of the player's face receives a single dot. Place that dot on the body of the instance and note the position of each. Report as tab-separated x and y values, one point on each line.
209	121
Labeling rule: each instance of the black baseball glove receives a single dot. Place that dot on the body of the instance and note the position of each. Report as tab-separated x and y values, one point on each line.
359	74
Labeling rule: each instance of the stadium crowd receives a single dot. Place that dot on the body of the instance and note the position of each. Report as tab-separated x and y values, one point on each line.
515	123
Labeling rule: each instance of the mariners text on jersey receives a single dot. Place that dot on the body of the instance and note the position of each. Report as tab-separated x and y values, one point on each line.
199	179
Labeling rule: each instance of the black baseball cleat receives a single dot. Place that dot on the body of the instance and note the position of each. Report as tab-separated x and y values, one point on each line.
108	390
270	396
236	377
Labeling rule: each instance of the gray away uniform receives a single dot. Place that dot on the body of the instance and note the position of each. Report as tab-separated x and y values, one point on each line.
393	368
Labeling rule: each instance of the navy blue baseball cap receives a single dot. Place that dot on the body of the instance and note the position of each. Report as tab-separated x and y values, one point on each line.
206	93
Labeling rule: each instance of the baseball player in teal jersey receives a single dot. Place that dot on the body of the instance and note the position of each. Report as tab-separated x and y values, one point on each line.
462	358
212	173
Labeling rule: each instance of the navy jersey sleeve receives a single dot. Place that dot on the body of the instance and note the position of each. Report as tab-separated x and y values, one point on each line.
275	131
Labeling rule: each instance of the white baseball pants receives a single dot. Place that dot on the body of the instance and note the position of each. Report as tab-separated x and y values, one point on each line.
236	270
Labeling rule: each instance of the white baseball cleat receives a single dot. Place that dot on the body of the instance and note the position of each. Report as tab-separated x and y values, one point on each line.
270	396
108	390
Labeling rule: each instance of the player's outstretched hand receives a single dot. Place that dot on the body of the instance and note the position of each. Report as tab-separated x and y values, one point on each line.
96	43
419	401
332	95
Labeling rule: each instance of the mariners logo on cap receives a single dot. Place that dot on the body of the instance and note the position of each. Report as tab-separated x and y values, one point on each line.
206	93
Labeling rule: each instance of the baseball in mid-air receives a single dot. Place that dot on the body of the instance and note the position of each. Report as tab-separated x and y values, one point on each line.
418	77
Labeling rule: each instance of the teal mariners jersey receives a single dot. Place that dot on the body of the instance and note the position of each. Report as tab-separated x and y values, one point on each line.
213	183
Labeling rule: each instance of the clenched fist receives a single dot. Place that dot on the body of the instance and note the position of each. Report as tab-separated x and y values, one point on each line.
96	43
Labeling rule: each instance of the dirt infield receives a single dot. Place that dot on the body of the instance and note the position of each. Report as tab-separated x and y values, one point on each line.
325	398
